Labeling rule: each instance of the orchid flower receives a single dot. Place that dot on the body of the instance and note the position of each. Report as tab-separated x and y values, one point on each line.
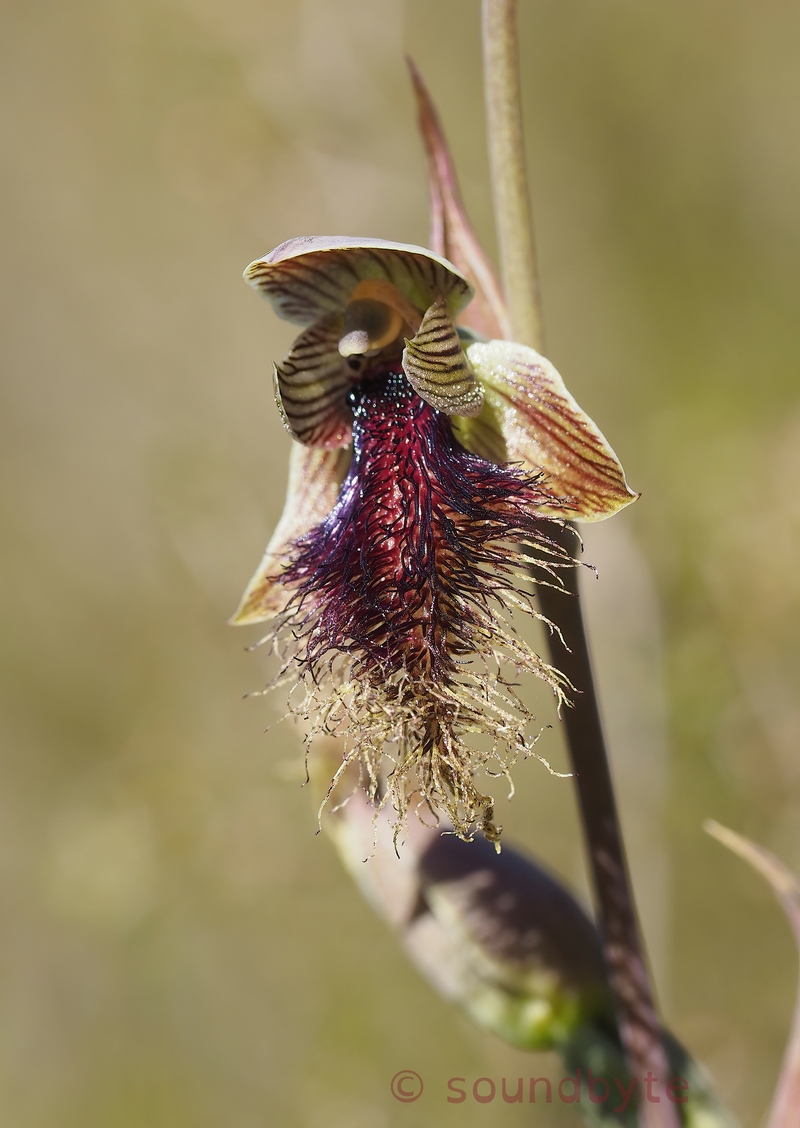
424	462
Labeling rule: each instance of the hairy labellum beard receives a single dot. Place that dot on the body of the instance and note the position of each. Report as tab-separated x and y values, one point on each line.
399	605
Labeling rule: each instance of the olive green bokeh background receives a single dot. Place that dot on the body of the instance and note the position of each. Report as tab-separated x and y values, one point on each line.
178	947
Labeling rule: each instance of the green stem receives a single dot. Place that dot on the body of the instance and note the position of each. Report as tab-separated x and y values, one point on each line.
640	1027
512	206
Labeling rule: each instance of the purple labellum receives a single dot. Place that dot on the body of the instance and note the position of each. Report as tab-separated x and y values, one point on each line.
398	598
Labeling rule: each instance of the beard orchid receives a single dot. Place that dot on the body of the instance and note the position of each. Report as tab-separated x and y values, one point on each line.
426	465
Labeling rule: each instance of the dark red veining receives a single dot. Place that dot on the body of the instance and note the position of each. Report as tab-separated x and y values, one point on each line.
418	543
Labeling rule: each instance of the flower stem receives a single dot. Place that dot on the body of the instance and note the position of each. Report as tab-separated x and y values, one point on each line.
639	1024
512	206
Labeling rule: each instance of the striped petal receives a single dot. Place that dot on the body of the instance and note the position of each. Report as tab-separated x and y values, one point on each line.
306	278
315	476
311	386
436	365
544	428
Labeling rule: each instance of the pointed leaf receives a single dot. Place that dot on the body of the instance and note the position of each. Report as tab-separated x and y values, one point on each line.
315	476
437	368
544	428
311	386
452	234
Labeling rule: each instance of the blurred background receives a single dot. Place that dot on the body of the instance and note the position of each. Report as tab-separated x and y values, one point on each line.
179	949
